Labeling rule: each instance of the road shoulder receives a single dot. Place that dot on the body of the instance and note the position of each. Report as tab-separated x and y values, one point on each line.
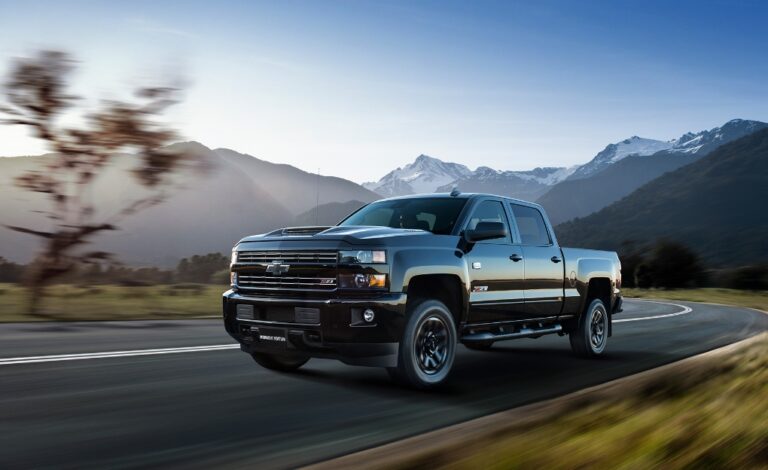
409	452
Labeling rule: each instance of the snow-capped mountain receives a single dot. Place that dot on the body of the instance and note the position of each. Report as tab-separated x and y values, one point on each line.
580	197
705	141
427	175
547	175
528	185
688	143
616	152
424	175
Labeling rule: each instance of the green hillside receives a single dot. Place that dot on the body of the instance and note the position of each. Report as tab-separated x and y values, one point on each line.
578	198
716	205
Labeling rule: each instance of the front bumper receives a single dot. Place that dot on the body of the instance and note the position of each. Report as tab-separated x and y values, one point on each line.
317	327
618	305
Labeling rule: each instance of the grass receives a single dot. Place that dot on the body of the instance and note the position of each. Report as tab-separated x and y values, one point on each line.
739	298
70	303
713	416
75	303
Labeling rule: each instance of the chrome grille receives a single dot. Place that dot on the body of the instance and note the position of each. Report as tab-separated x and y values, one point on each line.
308	257
253	281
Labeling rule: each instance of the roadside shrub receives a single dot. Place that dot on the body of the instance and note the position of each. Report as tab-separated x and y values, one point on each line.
631	257
200	268
674	265
671	265
643	276
182	289
10	272
169	292
747	278
221	277
134	283
137	293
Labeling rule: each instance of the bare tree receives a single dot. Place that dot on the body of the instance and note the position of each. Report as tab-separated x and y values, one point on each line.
36	92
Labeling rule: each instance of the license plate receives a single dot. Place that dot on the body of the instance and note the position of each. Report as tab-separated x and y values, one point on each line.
273	337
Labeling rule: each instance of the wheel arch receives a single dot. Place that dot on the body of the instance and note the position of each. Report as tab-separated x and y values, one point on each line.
599	288
447	288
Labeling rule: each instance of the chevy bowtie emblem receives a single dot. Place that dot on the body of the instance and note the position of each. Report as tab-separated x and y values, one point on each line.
276	268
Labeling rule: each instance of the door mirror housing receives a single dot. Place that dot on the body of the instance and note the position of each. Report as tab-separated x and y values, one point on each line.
486	231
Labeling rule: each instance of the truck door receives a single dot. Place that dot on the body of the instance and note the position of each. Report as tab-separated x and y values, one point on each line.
496	280
544	271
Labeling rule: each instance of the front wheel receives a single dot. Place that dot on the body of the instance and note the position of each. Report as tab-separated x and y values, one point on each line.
591	335
428	346
279	363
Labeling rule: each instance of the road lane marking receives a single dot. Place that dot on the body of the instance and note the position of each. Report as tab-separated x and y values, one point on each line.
218	347
107	354
684	311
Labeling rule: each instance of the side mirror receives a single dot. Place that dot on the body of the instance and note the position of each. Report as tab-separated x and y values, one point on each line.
486	231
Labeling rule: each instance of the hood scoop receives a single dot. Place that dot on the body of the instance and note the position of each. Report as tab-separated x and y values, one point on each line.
297	231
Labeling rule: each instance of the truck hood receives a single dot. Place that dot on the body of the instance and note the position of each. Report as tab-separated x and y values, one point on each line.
350	234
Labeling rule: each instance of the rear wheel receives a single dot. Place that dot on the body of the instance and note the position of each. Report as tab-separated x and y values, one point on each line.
590	337
280	363
428	346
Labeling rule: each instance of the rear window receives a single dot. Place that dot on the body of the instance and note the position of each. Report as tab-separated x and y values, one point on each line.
530	222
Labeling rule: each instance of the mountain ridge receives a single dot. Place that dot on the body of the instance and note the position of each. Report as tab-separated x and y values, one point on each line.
242	195
580	197
207	212
712	205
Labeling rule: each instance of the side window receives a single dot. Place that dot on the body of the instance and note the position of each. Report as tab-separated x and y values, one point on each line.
489	211
530	222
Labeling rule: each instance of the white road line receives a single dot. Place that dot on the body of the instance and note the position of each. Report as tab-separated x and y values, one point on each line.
102	355
684	310
218	347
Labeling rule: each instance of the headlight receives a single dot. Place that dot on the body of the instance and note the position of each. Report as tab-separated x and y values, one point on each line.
363	257
362	281
234	257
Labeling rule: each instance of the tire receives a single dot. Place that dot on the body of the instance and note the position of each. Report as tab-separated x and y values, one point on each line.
590	336
481	346
428	346
279	363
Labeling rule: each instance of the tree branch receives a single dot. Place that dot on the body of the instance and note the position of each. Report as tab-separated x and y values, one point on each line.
29	231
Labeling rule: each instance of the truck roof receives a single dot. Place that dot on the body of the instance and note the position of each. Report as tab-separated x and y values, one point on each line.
457	194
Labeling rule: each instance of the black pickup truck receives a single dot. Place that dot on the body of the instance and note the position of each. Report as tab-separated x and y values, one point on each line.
399	283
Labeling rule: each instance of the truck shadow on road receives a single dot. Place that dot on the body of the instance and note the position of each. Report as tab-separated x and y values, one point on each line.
503	374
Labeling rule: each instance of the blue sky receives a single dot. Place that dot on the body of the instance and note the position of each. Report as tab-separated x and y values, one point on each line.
356	88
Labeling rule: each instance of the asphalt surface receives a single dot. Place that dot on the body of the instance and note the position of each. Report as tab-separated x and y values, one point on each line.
202	408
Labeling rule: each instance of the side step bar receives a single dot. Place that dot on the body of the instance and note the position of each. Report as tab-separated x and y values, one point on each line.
521	333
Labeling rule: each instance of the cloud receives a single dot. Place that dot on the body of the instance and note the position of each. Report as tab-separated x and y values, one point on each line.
149	26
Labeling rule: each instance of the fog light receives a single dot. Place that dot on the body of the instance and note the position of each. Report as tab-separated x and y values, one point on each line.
363	281
368	315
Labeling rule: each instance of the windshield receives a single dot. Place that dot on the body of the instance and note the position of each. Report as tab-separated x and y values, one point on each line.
436	215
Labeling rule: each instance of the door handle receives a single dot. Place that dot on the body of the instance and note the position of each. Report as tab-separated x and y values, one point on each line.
516	257
555	259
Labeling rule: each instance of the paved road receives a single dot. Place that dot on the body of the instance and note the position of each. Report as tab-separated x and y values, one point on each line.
203	408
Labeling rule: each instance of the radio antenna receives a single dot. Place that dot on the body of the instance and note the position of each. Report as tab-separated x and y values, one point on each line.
317	198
